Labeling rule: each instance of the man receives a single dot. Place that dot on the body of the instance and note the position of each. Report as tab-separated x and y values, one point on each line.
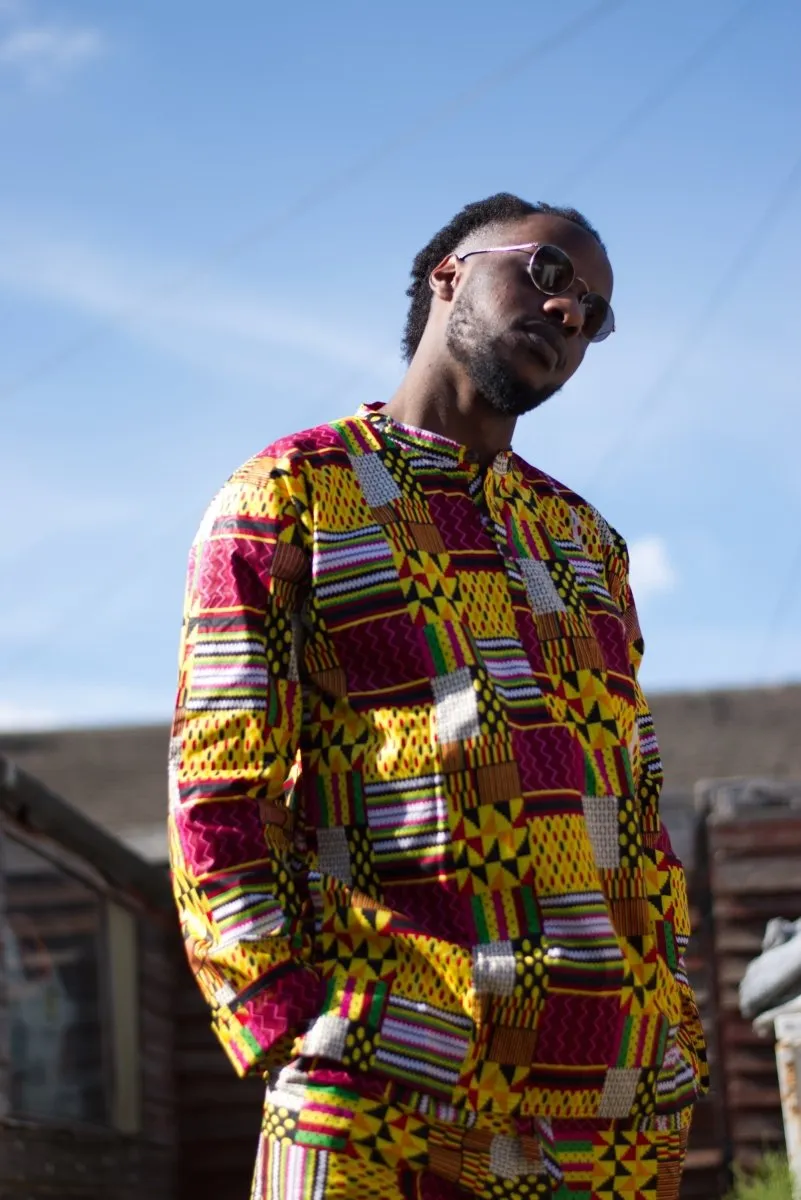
415	832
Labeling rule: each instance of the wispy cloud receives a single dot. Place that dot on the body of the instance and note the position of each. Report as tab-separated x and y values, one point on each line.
52	513
651	569
203	322
73	703
22	718
44	53
718	654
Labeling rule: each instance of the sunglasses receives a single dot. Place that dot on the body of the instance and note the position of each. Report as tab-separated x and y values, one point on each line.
552	272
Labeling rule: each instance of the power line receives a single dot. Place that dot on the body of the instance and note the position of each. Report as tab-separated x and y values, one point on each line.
322	191
746	254
339	181
87	599
654	98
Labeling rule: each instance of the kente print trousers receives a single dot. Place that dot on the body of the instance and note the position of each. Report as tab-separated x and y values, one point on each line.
336	1146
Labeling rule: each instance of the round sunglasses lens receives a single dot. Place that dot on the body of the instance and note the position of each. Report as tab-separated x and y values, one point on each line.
551	270
599	320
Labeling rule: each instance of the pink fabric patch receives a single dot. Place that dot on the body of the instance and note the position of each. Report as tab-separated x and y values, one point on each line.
221	834
611	636
381	653
549	759
283	1007
575	1030
458	521
436	910
234	571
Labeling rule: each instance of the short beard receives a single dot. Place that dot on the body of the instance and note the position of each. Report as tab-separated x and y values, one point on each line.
496	380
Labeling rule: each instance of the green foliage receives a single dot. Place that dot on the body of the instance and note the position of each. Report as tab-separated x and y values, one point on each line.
770	1181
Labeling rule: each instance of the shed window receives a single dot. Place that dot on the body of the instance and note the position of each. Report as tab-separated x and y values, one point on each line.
54	948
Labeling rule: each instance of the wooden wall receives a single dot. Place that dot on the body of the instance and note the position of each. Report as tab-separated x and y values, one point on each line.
59	1158
738	877
219	1114
199	1123
4	1023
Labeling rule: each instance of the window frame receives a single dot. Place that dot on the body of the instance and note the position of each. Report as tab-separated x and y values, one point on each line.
119	976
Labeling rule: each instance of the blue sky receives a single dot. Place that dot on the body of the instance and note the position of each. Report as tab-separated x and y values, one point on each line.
207	219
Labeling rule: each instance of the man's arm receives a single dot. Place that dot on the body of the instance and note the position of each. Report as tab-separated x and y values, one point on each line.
239	884
666	881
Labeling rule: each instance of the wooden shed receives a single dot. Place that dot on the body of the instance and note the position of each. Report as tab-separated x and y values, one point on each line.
88	968
133	1089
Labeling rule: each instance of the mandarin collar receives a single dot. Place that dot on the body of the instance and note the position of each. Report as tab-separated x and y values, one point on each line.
411	436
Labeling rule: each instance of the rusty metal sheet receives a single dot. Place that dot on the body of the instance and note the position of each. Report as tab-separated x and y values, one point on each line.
788	1062
758	834
757	876
754	862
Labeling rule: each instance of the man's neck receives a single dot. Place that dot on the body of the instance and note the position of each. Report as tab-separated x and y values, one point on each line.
428	399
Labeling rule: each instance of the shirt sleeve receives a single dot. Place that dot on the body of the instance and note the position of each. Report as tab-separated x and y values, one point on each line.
239	873
665	878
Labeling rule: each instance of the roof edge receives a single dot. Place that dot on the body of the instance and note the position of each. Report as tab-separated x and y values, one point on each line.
39	810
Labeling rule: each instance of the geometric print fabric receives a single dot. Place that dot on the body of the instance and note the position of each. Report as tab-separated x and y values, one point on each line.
393	1154
414	786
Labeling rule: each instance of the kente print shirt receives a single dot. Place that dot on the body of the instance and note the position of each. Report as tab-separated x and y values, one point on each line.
414	785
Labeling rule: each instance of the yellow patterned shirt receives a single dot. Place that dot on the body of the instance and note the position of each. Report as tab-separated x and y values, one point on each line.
414	785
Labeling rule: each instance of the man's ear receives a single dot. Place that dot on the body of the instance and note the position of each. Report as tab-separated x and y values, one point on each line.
444	277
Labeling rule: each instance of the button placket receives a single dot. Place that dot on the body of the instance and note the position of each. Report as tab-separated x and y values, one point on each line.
491	497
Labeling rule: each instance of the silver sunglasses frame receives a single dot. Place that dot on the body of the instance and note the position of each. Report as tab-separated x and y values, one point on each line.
525	247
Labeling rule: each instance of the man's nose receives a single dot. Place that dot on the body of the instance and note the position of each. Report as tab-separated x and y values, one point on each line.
565	312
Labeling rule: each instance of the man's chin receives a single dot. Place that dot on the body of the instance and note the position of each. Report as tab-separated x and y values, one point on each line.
511	389
517	400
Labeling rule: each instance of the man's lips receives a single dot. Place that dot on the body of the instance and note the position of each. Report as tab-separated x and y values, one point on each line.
546	343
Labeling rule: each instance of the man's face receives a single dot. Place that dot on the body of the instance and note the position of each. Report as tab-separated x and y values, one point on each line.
518	345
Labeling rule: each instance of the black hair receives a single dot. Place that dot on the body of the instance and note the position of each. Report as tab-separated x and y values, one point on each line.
495	210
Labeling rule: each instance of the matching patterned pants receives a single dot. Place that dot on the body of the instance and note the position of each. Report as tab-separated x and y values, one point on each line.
337	1147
